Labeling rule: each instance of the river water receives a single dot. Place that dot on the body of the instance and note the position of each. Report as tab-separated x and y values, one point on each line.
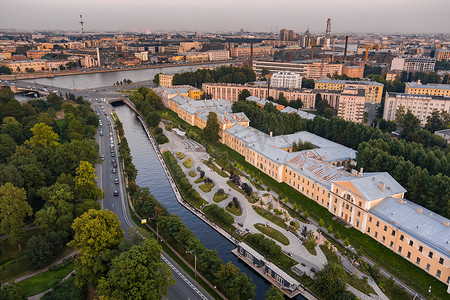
95	80
151	175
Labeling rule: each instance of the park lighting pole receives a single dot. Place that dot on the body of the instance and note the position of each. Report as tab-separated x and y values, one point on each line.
195	262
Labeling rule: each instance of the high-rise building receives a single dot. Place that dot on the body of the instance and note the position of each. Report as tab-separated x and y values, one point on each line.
351	104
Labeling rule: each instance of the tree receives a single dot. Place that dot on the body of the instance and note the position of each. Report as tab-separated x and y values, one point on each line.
156	79
274	294
97	238
54	101
14	129
211	130
11	292
137	273
264	72
244	94
13	209
329	281
85	184
7	147
43	136
42	249
410	124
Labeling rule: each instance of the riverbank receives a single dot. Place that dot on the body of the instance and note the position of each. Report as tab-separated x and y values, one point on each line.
49	74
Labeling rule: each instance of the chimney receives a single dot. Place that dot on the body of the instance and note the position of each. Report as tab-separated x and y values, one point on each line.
345	50
354	172
251	56
446	223
323	158
360	174
271	134
419	210
400	201
382	186
419	81
253	130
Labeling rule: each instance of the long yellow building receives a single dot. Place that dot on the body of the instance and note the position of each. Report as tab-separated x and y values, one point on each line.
374	90
417	88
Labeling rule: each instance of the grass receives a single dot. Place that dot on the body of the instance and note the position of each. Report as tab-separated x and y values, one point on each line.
206	187
237	211
219	220
181	155
188	163
200	179
310	247
218	197
192	174
396	265
43	281
270	217
273	233
216	169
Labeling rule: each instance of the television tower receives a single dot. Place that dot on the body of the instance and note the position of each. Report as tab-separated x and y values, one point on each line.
82	29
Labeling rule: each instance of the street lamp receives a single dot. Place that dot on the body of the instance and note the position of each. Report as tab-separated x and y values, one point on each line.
195	262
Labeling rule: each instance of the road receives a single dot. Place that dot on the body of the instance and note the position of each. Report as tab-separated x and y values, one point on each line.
371	109
185	287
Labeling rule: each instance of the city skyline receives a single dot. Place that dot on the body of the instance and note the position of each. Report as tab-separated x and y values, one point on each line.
198	15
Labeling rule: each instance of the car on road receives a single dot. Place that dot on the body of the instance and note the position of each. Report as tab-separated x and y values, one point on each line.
116	193
114	165
116	181
112	154
102	157
114	171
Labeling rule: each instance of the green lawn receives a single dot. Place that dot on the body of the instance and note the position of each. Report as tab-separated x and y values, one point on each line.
188	163
219	197
43	281
269	216
200	179
206	187
181	155
192	174
216	169
311	247
233	210
273	233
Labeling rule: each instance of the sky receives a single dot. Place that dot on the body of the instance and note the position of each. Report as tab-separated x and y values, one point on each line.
379	16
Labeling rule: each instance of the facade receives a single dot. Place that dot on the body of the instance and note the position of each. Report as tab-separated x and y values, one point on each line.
373	90
35	54
187	46
165	80
317	70
284	79
353	71
143	56
22	65
392	75
196	56
413	64
417	88
54	64
300	67
351	105
245	51
214	55
442	54
88	61
420	105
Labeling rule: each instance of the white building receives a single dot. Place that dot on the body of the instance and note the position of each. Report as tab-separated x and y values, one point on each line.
420	105
214	55
413	64
143	56
285	79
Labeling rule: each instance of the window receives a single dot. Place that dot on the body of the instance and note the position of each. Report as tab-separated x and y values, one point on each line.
391	244
402	237
368	229
378	224
335	200
399	249
359	213
441	261
411	243
430	254
385	228
393	233
420	248
360	204
408	255
376	234
438	273
357	223
428	267
370	219
337	191
383	239
418	260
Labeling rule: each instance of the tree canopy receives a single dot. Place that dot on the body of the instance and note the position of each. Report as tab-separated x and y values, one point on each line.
211	130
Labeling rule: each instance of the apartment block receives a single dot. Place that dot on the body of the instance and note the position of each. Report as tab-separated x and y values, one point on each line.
300	67
442	54
420	105
317	70
413	64
196	57
417	88
373	90
284	79
245	51
165	80
353	71
22	65
351	105
214	55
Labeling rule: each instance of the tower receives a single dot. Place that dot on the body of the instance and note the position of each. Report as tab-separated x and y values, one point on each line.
328	31
82	29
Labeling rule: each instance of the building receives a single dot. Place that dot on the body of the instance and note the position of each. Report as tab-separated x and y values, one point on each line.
188	46
55	64
445	133
353	71
167	93
392	75
300	67
373	90
143	56
417	88
262	102
240	52
442	54
317	70
413	64
88	61
214	55
195	94
165	80
351	105
420	105
285	79
35	54
196	57
23	65
288	35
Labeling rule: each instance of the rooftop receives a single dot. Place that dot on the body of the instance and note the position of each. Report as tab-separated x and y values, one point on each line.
339	81
428	86
418	222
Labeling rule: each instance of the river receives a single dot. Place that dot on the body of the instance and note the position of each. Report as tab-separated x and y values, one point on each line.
151	175
95	80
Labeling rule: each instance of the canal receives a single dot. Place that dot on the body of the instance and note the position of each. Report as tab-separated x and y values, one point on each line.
151	175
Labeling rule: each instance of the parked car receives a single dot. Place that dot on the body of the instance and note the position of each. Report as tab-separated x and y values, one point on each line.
102	157
116	193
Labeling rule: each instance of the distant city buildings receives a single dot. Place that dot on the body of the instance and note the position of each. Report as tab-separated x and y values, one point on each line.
284	79
288	35
413	64
442	54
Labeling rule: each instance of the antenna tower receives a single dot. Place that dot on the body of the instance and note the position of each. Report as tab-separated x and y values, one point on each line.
82	29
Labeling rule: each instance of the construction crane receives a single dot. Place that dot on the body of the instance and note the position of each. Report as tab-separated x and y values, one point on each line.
313	45
368	47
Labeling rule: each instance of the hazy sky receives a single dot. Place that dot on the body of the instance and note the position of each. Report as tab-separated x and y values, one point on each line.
403	16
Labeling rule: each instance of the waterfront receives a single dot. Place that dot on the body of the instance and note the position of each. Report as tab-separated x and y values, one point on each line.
151	175
101	79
